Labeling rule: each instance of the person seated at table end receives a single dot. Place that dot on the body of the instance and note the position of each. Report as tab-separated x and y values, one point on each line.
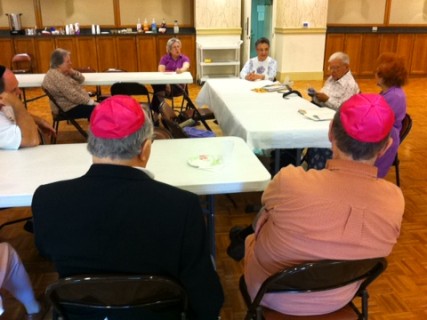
18	128
126	221
65	85
342	212
261	67
172	61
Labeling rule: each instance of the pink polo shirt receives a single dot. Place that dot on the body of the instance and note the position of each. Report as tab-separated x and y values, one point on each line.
341	212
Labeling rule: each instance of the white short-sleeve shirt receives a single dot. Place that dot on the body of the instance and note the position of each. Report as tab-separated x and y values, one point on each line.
10	133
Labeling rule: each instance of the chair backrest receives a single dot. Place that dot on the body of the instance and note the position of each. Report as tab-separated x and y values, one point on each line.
406	127
87	69
318	276
53	100
129	88
161	133
21	63
118	297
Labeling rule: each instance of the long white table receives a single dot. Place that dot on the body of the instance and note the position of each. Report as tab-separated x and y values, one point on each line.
26	169
35	80
263	120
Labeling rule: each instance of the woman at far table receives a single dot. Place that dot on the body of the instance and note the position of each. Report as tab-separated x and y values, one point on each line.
173	61
261	67
391	75
65	85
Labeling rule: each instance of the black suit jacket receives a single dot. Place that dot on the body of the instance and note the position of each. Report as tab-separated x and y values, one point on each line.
116	219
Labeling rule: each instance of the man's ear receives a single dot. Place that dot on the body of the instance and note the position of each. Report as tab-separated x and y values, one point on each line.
144	155
385	148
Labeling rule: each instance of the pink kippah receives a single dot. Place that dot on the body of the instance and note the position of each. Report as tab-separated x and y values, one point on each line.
116	117
367	117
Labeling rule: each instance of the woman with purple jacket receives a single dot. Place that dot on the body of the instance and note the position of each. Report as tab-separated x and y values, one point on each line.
391	75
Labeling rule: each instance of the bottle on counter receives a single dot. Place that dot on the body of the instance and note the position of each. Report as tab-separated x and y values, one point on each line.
154	26
162	28
138	26
175	27
145	25
77	28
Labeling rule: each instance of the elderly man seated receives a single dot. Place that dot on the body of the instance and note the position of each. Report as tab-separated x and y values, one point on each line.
117	219
341	212
18	128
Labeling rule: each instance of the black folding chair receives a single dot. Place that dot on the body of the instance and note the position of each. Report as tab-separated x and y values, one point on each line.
404	131
117	297
317	276
63	116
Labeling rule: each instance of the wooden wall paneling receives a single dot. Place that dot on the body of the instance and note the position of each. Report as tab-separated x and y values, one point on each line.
352	46
26	45
334	43
419	55
147	53
6	52
86	52
127	58
44	47
388	43
107	56
369	54
405	47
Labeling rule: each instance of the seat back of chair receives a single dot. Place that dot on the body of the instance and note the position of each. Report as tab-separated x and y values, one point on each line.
324	275
118	297
21	63
406	127
61	111
130	89
317	276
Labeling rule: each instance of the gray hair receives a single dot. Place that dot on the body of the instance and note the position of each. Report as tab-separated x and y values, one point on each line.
340	56
121	149
57	58
170	43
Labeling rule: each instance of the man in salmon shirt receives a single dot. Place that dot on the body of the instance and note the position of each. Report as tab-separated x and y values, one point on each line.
341	212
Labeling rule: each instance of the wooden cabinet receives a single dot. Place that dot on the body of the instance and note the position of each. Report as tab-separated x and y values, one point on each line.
107	57
87	55
364	49
44	48
131	52
147	54
126	52
6	52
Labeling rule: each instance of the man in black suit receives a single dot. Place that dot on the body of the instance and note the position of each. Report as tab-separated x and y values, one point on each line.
118	219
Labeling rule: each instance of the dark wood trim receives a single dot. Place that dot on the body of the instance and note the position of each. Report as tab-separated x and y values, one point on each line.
387	12
38	14
116	6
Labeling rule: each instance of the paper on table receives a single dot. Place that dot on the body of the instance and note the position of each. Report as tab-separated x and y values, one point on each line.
320	114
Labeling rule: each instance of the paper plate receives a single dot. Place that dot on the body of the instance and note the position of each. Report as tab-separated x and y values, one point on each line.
205	161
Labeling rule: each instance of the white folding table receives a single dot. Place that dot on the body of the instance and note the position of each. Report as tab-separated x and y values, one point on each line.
26	169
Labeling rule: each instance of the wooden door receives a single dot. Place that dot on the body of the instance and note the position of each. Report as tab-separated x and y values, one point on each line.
86	52
6	52
147	53
127	58
107	56
419	55
44	48
370	51
26	45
